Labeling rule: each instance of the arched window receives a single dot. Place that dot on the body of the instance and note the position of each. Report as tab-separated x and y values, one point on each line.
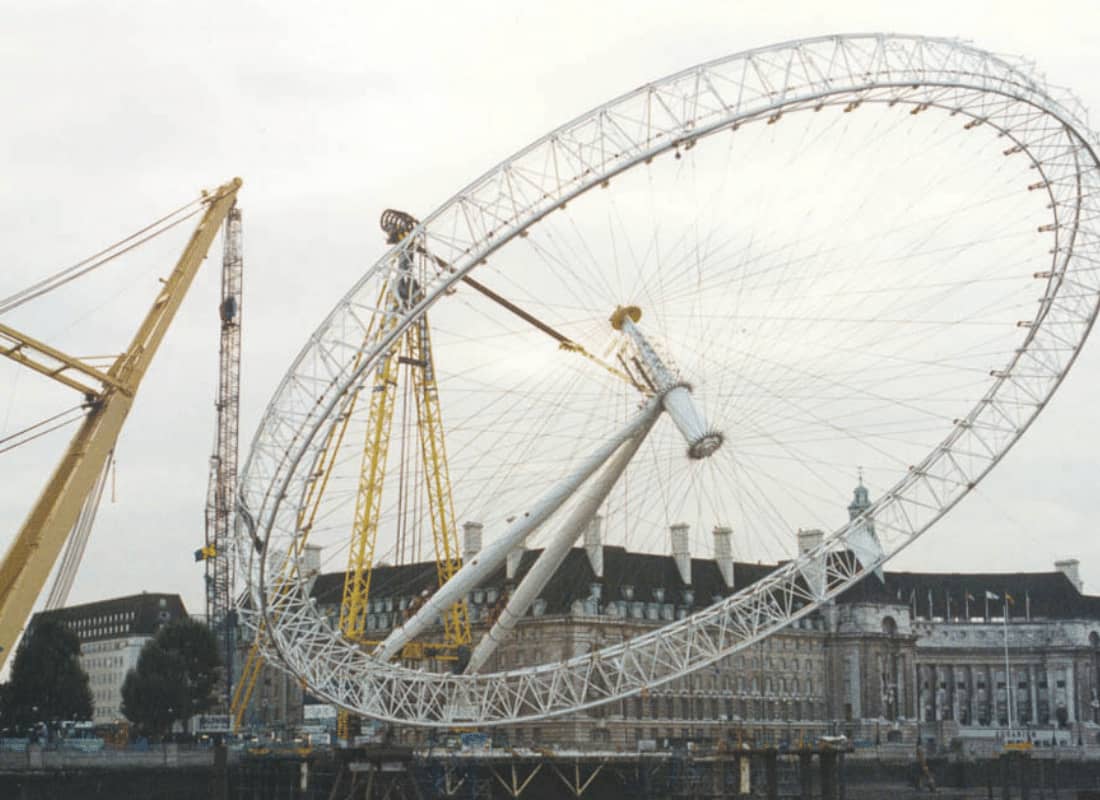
889	626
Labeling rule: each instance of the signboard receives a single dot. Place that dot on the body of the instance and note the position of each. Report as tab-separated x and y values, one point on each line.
212	723
318	712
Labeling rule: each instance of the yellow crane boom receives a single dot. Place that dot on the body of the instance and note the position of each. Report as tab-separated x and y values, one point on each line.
433	450
31	556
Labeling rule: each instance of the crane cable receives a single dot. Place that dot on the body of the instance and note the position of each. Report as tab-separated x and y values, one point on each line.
104	256
78	540
35	426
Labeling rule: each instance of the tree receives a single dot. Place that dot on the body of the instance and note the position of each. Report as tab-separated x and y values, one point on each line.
47	681
174	679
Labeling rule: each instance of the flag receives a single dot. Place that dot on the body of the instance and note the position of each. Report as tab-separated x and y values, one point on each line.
969	596
990	596
1009	599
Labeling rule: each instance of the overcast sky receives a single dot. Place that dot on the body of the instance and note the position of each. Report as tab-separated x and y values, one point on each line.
116	112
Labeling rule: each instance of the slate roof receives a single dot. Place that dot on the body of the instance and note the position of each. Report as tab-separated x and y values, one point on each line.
110	619
1047	594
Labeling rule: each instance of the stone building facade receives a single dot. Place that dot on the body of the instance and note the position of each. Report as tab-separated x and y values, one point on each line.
911	655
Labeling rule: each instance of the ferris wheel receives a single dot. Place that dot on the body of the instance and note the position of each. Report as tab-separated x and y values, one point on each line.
698	308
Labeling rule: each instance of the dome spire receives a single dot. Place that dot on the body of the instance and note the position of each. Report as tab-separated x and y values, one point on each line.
861	498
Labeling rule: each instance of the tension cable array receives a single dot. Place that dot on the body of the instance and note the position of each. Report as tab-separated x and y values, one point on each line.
96	260
22	437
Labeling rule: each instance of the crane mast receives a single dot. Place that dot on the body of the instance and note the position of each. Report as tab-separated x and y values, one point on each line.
222	487
412	355
30	557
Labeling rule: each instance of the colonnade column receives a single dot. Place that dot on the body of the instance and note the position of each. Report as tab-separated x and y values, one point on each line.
1033	688
974	694
1071	694
990	696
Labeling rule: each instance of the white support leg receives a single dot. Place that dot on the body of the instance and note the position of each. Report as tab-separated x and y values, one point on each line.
555	552
493	554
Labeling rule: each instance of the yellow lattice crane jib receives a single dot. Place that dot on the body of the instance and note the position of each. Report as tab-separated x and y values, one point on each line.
448	556
31	556
414	351
368	500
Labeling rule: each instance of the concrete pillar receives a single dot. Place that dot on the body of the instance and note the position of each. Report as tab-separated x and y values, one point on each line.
681	551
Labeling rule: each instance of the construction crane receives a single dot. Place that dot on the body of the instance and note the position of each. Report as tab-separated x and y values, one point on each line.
222	486
412	358
31	556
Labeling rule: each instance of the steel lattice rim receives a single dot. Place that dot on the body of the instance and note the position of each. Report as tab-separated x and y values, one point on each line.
1047	129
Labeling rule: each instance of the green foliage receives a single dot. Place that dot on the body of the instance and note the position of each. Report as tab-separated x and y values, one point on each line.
174	679
47	682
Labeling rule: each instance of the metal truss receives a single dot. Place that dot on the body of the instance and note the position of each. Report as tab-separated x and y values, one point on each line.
1035	122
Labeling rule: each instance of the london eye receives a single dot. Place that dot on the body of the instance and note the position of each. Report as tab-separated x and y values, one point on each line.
687	317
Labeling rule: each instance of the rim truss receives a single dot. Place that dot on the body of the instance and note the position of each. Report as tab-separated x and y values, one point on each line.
1034	122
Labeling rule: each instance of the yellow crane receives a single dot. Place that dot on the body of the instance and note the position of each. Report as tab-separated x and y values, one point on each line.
414	353
31	556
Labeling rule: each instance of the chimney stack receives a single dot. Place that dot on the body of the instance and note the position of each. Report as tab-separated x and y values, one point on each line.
515	556
1071	568
471	540
723	553
814	573
593	544
680	550
311	564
